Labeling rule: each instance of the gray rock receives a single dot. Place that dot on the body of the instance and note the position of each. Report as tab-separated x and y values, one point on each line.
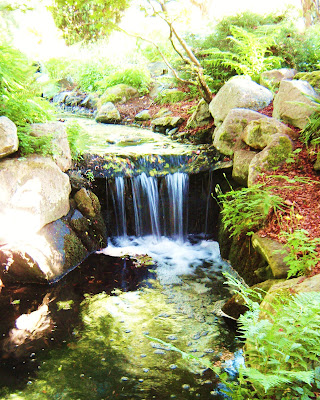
258	133
165	124
239	92
89	101
60	97
9	141
270	251
201	115
118	94
143	115
241	162
292	103
272	78
58	133
33	193
226	136
108	114
277	151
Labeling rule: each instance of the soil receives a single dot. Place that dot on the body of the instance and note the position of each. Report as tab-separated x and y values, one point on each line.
301	197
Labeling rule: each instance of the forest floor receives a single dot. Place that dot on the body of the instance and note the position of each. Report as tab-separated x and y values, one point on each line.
301	196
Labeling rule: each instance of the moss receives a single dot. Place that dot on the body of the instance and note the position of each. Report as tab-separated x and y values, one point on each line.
312	77
278	153
74	250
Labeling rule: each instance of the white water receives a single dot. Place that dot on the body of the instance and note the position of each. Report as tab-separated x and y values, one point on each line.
172	258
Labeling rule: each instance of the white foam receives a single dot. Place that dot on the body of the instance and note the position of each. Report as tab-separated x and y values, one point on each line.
173	258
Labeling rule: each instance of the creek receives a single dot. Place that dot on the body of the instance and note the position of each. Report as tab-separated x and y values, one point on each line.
139	319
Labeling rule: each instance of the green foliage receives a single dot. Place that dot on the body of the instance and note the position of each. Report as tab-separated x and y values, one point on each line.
87	20
302	254
90	74
246	209
281	352
250	56
308	50
78	139
60	68
170	96
29	144
311	132
135	76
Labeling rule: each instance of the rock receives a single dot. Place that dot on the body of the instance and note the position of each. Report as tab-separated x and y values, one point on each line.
143	115
241	162
277	151
312	77
316	165
295	285
60	97
270	251
165	124
74	99
239	92
227	135
9	141
258	133
163	112
33	193
87	202
43	257
158	68
201	115
118	94
108	114
272	78
90	102
291	104
58	133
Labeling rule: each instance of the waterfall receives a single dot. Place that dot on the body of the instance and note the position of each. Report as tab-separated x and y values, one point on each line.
160	205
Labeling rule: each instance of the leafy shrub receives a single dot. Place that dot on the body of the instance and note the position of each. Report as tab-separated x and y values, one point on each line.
281	352
29	144
311	132
89	74
78	139
302	254
308	50
170	96
246	209
59	68
135	76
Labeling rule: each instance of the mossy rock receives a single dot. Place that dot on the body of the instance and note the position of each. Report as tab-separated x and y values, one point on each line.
118	94
271	157
312	77
170	96
241	162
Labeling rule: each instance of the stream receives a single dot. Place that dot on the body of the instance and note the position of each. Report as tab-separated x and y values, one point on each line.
139	319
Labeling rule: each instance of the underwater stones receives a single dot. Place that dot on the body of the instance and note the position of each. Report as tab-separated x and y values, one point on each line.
271	251
201	116
277	151
258	134
272	78
108	114
9	141
241	162
292	103
239	92
59	139
165	124
228	135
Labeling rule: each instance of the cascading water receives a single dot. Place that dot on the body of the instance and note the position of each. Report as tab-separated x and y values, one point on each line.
120	204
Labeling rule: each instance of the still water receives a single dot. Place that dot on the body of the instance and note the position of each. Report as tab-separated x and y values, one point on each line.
124	326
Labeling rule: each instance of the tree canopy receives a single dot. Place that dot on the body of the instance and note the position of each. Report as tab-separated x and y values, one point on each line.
87	20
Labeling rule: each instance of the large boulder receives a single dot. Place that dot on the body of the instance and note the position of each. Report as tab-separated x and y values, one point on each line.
273	252
241	163
201	116
9	142
312	77
118	94
59	138
293	103
278	150
258	133
272	78
33	193
227	136
108	114
239	92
